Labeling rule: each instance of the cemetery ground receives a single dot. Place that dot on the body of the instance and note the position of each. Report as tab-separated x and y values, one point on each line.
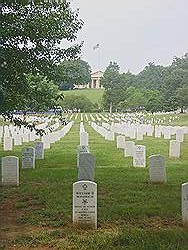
132	212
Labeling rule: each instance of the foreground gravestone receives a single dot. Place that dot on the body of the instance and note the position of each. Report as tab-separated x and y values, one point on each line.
28	157
157	170
10	171
174	149
185	204
86	167
139	156
39	150
85	204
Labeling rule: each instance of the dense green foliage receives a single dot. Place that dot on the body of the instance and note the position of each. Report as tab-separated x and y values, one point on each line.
30	37
81	103
72	72
153	89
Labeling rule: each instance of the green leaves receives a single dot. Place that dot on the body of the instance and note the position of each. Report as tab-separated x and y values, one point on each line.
30	36
72	72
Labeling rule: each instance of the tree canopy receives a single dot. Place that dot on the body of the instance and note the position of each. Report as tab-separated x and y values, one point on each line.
72	72
155	88
31	37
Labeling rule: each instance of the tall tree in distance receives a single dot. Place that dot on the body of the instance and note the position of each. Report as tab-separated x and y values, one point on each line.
111	77
30	38
72	72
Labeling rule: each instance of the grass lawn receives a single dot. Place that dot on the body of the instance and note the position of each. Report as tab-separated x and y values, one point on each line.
132	213
94	95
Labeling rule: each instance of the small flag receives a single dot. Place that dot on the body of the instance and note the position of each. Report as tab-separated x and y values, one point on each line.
96	46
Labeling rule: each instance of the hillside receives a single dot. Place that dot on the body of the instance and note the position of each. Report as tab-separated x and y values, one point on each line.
94	95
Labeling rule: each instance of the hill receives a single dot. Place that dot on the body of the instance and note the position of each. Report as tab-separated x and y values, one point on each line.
94	95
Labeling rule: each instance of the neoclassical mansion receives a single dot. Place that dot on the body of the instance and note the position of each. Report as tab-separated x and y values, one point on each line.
95	81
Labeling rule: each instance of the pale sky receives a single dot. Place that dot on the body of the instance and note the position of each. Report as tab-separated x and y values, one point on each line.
132	32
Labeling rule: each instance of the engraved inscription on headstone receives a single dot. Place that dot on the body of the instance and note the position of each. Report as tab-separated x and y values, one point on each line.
28	157
39	150
85	204
185	204
10	171
157	170
139	157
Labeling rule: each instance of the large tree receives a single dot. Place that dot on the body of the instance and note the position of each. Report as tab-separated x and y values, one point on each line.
72	72
30	38
111	77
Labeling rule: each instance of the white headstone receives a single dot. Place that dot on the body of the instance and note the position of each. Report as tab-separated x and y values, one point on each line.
120	141
83	139
18	140
174	149
139	156
167	134
25	137
8	143
85	204
129	148
39	150
185	204
157	170
28	157
139	135
10	171
46	141
180	135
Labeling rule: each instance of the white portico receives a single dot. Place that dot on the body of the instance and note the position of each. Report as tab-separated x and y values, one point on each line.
95	80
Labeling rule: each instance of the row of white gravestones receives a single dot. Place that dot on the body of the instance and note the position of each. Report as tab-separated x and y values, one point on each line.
107	134
83	136
47	139
10	164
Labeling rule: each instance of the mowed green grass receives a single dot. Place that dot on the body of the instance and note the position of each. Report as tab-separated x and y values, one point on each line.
94	95
132	213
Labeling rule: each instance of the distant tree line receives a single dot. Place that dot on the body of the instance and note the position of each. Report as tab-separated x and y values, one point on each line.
156	88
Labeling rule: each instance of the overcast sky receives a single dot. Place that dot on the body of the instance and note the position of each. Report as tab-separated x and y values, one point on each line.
133	32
